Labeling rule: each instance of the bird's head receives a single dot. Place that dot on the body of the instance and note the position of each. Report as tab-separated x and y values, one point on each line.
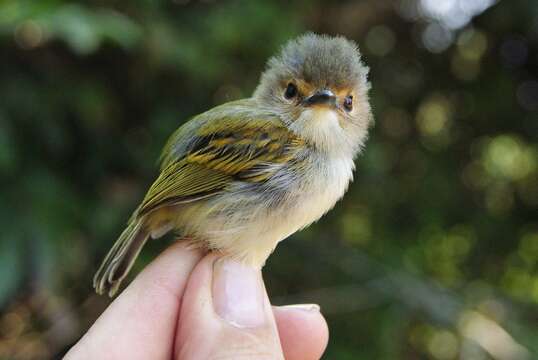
318	85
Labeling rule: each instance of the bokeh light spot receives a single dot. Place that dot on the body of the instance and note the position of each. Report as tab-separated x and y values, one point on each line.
380	40
29	35
436	38
453	14
507	157
443	345
433	116
472	44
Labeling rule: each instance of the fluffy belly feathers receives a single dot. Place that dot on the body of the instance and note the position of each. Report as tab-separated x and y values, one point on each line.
247	224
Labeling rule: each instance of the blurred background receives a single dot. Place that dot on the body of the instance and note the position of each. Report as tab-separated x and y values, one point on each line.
433	253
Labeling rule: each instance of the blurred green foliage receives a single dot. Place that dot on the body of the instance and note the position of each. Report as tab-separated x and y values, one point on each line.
433	253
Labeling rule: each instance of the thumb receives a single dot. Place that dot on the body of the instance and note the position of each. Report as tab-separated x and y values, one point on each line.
226	314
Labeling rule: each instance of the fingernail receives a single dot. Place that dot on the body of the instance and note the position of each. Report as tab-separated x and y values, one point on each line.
238	293
303	307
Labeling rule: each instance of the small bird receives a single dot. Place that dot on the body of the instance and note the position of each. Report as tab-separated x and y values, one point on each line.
245	175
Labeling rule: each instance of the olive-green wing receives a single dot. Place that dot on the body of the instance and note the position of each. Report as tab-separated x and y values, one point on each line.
220	152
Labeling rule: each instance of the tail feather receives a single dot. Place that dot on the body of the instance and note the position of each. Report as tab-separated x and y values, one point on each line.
120	258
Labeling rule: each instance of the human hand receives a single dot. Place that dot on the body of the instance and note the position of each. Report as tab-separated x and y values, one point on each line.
187	306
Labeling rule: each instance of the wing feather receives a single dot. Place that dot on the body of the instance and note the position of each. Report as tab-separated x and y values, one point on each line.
221	151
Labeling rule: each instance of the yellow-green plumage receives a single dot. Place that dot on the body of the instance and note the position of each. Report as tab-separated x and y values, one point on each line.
221	151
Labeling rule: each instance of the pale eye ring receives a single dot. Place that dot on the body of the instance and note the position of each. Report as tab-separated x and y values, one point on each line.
348	103
291	91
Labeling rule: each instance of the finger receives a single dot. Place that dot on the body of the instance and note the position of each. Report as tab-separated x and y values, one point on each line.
140	323
226	314
303	331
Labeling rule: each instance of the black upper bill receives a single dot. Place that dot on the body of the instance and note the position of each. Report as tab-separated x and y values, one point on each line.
321	97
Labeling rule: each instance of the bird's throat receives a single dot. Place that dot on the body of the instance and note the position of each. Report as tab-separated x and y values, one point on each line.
320	126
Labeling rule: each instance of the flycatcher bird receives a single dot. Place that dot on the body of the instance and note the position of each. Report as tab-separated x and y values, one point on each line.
245	175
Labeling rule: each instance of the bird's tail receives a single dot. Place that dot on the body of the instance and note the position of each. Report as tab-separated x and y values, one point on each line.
120	258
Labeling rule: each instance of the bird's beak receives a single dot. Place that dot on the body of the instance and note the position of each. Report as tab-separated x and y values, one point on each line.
321	97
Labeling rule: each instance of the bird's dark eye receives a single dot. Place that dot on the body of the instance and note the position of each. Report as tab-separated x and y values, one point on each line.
348	103
291	91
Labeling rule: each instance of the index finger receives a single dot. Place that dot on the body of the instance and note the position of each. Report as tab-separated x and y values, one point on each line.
141	322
